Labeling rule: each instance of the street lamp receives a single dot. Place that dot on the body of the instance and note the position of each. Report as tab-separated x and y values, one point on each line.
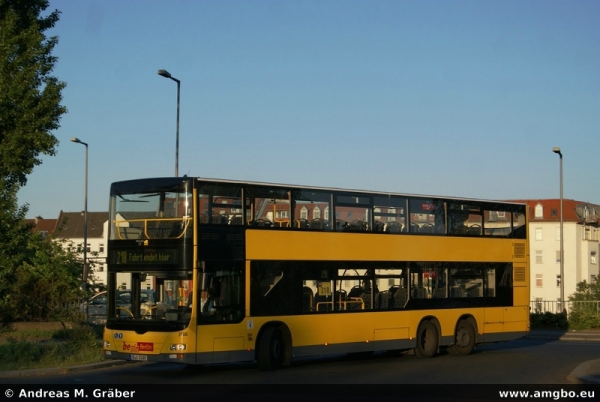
166	74
556	150
84	273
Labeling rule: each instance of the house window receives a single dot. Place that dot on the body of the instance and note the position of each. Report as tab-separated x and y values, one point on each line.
554	212
317	213
539	280
539	234
304	213
539	211
101	248
558	256
593	257
538	257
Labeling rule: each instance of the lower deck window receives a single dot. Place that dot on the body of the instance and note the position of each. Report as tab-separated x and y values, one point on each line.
317	287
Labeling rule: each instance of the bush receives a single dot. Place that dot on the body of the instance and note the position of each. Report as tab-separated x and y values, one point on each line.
65	347
582	319
549	321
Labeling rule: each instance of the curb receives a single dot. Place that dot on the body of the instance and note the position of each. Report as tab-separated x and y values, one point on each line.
581	371
591	336
62	370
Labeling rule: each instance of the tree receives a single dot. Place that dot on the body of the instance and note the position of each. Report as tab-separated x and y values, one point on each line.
30	110
585	305
29	95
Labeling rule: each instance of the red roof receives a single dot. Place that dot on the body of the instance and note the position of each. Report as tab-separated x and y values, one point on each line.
573	211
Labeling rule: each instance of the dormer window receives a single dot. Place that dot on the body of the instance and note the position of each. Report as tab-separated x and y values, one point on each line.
539	211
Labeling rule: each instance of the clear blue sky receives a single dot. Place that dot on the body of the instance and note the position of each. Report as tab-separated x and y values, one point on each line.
458	98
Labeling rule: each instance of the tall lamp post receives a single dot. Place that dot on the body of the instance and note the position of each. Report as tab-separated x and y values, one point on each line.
85	221
562	256
165	73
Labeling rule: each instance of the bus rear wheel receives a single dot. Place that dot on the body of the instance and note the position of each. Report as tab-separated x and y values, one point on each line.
464	341
427	340
270	349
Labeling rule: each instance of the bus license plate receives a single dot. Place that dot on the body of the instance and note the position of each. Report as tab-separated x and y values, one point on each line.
139	357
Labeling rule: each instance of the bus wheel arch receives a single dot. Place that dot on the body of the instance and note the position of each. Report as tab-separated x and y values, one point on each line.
428	338
465	337
274	346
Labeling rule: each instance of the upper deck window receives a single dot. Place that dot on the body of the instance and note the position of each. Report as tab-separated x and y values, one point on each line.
220	204
150	213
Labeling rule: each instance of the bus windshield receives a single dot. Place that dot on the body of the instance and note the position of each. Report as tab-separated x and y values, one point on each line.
150	212
146	296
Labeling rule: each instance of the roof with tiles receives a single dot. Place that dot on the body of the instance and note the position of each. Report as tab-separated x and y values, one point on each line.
573	210
70	224
42	225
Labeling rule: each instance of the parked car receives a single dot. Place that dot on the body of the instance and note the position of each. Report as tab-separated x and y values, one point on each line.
97	306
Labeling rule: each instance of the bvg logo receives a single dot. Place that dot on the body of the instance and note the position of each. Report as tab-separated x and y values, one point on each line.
138	347
118	335
146	346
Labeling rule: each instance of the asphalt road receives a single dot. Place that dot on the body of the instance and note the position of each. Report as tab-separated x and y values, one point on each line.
524	361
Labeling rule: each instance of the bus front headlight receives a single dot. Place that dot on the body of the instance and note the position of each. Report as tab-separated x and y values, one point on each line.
178	346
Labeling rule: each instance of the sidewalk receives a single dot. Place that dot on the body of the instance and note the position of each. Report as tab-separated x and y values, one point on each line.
565	335
587	372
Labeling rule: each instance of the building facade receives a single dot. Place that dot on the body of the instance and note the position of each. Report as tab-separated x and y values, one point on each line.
70	227
580	246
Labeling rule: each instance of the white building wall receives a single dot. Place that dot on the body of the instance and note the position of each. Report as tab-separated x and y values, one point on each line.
96	254
578	263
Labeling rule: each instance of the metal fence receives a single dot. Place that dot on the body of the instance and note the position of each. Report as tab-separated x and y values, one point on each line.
547	306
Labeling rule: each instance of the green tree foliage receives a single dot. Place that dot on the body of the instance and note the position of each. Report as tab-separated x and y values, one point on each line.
585	305
46	285
587	291
34	273
29	95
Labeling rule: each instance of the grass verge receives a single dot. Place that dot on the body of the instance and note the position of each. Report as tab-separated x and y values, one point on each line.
34	349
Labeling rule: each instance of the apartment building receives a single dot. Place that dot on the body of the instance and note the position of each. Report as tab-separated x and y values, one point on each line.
70	226
581	246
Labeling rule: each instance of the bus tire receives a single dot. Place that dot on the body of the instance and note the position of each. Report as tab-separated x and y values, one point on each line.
464	340
270	349
427	340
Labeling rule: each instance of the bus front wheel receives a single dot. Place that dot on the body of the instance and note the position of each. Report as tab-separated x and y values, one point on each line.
464	341
427	340
270	349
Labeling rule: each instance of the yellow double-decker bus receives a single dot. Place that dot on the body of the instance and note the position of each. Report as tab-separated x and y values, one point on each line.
245	271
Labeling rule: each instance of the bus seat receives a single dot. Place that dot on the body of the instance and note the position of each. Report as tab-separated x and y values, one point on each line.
319	224
420	293
378	226
341	225
307	299
474	230
393	227
236	220
220	219
358	226
427	228
384	299
301	223
439	293
356	291
400	298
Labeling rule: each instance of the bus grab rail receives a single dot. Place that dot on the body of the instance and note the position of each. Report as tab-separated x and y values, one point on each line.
164	230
